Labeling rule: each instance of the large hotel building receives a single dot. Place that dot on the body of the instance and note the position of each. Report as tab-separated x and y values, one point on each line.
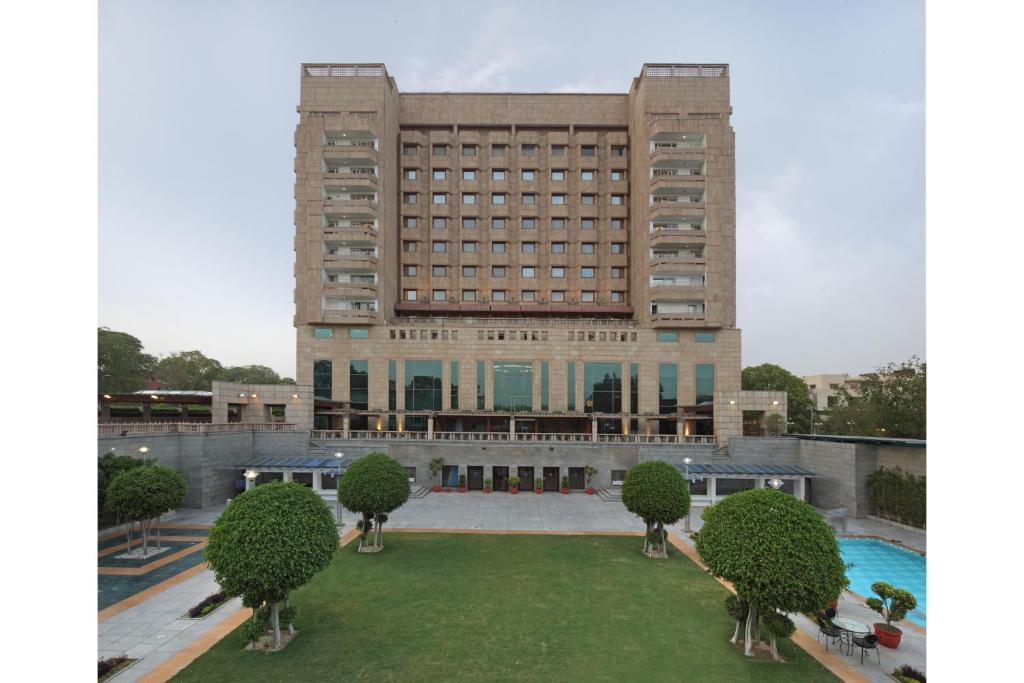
520	267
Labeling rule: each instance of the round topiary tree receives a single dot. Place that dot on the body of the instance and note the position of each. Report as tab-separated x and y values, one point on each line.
269	541
141	494
656	492
373	486
779	554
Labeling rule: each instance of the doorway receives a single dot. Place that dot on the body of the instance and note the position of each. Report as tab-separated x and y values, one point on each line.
577	478
550	478
450	475
475	478
500	475
525	478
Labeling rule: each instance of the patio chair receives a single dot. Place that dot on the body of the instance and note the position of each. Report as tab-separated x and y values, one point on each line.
831	632
868	642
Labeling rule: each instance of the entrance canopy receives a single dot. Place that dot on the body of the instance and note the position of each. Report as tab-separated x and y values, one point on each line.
700	470
301	464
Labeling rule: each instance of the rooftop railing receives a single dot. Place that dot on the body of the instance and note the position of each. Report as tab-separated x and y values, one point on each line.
192	428
531	437
517	323
687	70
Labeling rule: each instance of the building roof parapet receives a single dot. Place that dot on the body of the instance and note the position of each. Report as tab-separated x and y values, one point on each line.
487	322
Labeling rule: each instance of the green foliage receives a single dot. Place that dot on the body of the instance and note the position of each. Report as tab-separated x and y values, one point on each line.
462	481
768	377
188	370
775	424
121	365
565	481
373	484
513	481
590	471
779	625
736	608
487	483
252	374
656	492
141	493
436	465
892	403
111	465
271	540
899	496
776	550
894	603
908	674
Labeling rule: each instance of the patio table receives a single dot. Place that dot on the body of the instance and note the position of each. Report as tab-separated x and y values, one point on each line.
850	628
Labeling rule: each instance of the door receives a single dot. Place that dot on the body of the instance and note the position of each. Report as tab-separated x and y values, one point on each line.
550	478
500	476
525	478
577	478
450	475
475	478
526	426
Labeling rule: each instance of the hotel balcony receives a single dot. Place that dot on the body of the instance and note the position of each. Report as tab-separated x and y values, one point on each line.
678	254
667	147
353	227
350	283
677	173
677	225
346	309
693	280
678	197
350	155
678	313
351	138
350	255
341	171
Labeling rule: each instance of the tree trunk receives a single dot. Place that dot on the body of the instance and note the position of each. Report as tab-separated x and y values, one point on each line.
291	626
647	533
145	538
128	533
275	621
748	642
775	649
736	633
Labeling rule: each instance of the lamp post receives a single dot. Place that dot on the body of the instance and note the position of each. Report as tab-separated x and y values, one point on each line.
337	498
775	484
813	410
686	462
250	479
849	423
144	450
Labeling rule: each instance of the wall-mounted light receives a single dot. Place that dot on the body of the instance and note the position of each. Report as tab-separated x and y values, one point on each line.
295	395
775	403
732	403
253	396
775	484
107	396
242	395
154	397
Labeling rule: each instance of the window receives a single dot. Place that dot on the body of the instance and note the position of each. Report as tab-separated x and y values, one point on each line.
618	150
409	271
529	223
558	224
469	150
409	198
479	385
618	199
498	198
617	224
439	222
454	379
439	294
409	173
408	221
529	247
423	384
668	388
558	271
469	174
409	295
392	385
498	247
618	273
586	223
544	385
468	247
586	247
438	247
558	150
529	174
528	198
634	387
440	174
409	246
468	271
618	174
602	387
705	382
558	174
439	150
529	295
618	297
668	336
587	174
468	223
528	150
529	272
587	273
469	295
558	296
358	383
498	174
570	386
322	379
497	271
557	199
440	198
587	199
469	198
497	295
439	271
513	385
588	151
587	296
618	247
558	247
497	224
323	332
497	151
709	338
410	151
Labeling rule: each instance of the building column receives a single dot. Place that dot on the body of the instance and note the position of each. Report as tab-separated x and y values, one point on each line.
430	427
512	428
287	475
713	489
345	422
625	425
680	424
316	480
593	429
147	413
799	487
105	413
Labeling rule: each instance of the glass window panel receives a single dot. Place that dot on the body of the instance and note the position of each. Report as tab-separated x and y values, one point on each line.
454	372
358	384
668	336
705	337
358	333
423	385
392	385
513	385
705	381
634	388
322	379
602	387
667	388
544	385
480	386
571	386
323	332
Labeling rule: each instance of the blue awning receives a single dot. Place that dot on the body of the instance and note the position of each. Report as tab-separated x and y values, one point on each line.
296	463
701	470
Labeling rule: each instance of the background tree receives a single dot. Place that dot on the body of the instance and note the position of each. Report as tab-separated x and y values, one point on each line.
188	370
140	495
656	492
768	377
779	554
892	402
373	486
252	374
111	465
121	365
268	542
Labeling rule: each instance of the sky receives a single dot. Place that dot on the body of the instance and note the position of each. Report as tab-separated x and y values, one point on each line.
197	117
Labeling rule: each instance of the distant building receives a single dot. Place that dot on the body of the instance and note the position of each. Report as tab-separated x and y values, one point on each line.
823	388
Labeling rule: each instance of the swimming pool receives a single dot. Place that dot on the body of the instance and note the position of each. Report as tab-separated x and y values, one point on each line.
876	560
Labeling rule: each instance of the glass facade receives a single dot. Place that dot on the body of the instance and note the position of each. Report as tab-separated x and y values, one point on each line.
323	332
481	399
322	379
667	388
705	337
634	388
423	385
513	385
359	333
544	403
602	387
359	384
570	385
705	382
668	336
392	385
454	371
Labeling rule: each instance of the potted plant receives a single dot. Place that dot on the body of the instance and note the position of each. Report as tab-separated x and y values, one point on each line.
590	471
893	604
462	483
513	484
565	484
436	465
487	485
538	485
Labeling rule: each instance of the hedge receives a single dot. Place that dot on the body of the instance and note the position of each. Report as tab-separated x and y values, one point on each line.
898	496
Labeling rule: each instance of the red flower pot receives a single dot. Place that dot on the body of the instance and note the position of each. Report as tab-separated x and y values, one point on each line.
540	491
888	636
487	489
448	489
565	491
514	490
590	491
437	488
462	489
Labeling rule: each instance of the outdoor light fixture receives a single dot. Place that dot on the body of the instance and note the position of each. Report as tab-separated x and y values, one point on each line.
253	396
775	403
107	396
775	484
337	499
250	479
295	395
154	397
144	450
241	395
732	403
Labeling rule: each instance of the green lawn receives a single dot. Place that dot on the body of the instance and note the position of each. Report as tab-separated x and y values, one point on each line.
467	607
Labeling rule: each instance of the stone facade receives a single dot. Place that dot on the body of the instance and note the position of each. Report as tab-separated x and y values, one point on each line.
255	403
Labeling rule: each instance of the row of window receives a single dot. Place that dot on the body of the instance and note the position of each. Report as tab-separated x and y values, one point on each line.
501	271
701	337
525	295
499	150
500	223
470	247
500	198
557	174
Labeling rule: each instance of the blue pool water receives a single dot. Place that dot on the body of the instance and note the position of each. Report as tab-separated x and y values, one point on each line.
876	560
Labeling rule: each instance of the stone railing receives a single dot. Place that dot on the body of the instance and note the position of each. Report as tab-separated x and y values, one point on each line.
192	428
527	437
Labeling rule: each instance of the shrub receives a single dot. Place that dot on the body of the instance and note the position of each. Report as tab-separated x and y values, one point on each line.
208	604
109	664
513	481
894	603
898	495
109	466
656	492
908	674
141	494
374	486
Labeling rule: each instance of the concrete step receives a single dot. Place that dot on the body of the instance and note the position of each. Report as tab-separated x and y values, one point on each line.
610	495
419	491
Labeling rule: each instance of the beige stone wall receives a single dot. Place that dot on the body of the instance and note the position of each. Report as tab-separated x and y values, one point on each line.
730	404
255	401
